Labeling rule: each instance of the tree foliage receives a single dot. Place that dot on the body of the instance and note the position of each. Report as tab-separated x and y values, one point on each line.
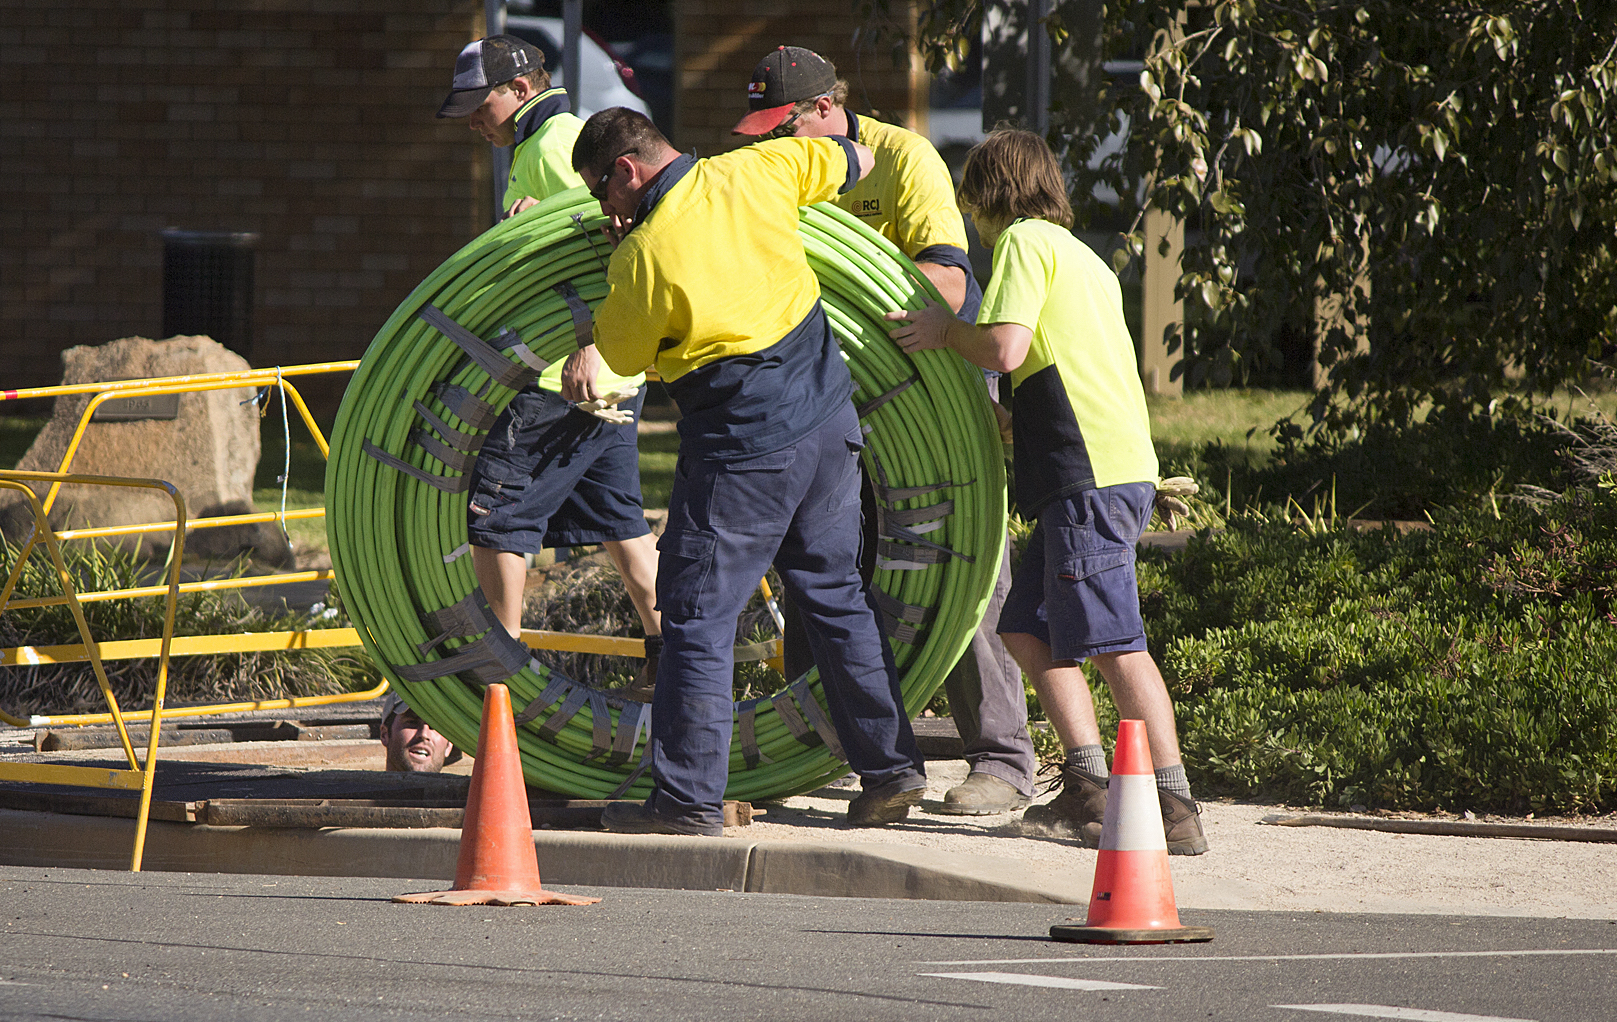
1440	177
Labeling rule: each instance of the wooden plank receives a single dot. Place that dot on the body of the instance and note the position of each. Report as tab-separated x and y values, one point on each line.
72	739
95	805
558	814
1448	828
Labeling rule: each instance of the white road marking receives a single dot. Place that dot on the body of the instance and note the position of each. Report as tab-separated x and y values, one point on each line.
1282	958
1023	979
1410	1014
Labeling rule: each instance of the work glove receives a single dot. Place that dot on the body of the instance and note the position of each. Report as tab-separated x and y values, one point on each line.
605	407
1170	498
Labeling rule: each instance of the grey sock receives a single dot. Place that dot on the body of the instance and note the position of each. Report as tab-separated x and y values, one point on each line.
1091	759
1173	779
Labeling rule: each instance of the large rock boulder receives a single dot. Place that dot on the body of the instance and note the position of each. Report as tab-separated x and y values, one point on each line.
209	451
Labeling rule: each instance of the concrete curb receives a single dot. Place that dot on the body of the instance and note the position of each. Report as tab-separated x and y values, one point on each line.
565	859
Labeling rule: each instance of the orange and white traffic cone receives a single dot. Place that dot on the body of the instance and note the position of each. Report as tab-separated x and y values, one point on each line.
497	864
1132	901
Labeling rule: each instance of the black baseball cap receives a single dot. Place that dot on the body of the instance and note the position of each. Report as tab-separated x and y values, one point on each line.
779	82
485	64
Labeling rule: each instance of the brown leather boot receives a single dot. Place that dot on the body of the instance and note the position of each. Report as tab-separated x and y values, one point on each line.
1078	812
1182	824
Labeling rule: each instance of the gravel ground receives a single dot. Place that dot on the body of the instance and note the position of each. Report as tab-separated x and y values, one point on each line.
1250	865
1260	867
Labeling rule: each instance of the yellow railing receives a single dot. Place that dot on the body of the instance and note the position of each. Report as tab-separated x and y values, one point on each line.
202	645
185	645
138	775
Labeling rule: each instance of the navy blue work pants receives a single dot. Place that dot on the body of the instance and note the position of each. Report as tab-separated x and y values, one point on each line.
797	508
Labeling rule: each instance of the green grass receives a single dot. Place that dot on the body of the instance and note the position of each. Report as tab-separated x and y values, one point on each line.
1239	418
16	433
306	484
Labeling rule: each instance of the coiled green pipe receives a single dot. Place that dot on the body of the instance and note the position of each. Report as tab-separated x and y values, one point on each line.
392	536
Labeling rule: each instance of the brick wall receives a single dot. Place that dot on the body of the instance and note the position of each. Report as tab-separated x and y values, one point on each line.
718	42
308	121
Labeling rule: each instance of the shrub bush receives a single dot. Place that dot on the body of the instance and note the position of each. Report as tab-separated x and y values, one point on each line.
233	677
1465	666
1387	472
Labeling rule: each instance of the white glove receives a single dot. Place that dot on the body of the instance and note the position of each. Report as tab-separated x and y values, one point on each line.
1170	498
605	407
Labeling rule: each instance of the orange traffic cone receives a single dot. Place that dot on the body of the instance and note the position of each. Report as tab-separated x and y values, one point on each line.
498	864
1132	902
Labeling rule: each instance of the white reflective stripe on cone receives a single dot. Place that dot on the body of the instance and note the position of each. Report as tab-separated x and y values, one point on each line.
1133	815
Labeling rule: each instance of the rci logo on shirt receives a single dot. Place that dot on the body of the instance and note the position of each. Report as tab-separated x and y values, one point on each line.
865	207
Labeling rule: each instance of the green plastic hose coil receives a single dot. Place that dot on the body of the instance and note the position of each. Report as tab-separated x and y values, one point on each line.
398	541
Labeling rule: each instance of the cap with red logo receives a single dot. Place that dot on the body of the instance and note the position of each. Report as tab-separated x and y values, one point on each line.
779	82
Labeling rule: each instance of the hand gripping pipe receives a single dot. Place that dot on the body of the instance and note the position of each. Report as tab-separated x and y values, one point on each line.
421	401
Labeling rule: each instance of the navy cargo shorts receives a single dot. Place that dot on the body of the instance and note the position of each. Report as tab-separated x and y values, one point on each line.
1075	588
550	475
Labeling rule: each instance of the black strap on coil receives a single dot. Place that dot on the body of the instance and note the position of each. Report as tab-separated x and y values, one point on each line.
818	718
564	713
881	399
487	660
466	406
787	711
555	687
747	733
936	552
493	657
821	732
888	517
600	727
488	358
458	484
634	775
583	321
512	344
892	494
629	732
468	616
904	621
470	443
460	461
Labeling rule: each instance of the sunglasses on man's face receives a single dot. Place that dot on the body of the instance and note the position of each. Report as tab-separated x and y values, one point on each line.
598	193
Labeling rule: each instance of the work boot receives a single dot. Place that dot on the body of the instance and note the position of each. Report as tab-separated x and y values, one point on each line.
1182	824
1078	812
886	803
635	818
982	795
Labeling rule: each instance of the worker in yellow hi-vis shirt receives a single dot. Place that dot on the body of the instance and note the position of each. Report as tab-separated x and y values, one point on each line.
561	465
909	198
709	283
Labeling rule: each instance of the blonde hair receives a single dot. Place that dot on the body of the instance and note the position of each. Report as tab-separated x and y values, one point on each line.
838	93
1012	174
540	80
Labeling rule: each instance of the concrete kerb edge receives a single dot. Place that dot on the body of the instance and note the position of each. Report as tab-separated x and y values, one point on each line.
30	838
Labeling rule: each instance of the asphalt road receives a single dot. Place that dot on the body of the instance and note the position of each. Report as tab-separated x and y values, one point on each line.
87	945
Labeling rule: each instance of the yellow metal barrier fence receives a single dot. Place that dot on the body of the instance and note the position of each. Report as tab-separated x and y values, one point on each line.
137	776
186	645
194	646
